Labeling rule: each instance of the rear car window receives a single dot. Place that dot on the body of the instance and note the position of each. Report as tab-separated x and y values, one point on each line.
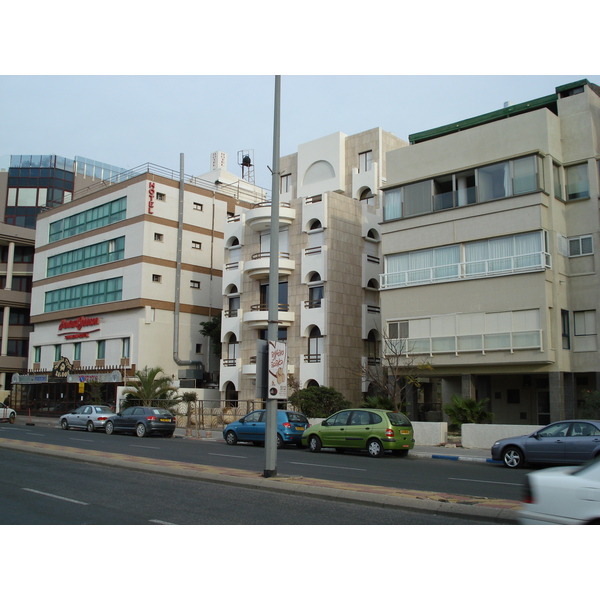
398	419
103	409
161	411
296	418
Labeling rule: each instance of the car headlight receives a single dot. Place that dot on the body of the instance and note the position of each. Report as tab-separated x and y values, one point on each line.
496	443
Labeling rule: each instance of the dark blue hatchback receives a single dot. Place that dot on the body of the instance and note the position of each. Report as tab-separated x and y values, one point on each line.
251	428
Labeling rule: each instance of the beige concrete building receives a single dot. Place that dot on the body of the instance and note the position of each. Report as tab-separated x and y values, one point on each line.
329	267
490	273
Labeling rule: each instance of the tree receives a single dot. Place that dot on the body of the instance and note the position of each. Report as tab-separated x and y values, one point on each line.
212	330
589	405
468	410
150	385
318	402
392	376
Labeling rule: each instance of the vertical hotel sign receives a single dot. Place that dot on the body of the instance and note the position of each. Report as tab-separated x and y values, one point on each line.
277	371
151	194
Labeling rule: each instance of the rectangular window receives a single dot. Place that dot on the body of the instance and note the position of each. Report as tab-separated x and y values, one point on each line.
580	246
77	351
577	182
88	256
57	352
417	198
198	206
365	161
37	354
197	245
101	349
160	196
158	237
566	333
156	278
195	284
392	204
88	220
558	184
125	347
87	294
286	183
584	322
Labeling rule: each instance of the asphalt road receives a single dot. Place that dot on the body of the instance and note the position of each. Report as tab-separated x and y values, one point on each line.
454	477
44	490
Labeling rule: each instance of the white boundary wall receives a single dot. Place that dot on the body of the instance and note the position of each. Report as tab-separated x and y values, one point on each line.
484	436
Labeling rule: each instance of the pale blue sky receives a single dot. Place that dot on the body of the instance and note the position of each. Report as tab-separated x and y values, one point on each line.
130	120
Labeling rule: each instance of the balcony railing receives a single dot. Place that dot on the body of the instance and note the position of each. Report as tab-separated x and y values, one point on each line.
494	267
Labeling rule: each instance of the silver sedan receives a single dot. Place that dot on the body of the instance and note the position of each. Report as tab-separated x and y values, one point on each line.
88	416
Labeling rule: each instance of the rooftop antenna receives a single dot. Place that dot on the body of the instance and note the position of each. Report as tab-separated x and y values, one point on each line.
246	161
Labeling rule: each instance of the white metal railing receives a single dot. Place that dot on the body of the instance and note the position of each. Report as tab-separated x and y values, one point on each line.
493	267
507	341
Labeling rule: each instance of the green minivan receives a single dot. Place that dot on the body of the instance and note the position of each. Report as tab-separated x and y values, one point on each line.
369	429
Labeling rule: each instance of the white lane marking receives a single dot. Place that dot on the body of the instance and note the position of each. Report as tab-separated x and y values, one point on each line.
483	481
139	446
159	522
227	455
56	497
81	439
326	466
36	434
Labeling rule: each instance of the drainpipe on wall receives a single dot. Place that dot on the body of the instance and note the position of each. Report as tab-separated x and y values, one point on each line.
197	364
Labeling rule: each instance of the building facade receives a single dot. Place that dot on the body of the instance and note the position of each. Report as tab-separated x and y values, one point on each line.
329	265
123	276
490	273
29	184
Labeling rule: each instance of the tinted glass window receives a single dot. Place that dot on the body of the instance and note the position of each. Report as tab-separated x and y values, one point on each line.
339	419
296	418
128	411
398	419
375	418
360	417
139	411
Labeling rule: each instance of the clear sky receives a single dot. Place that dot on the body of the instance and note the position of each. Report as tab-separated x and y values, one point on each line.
131	120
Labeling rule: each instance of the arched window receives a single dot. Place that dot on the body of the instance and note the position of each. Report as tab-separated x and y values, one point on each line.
367	196
316	224
315	345
231	396
316	291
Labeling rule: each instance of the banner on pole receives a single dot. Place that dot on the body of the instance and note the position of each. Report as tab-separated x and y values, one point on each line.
277	372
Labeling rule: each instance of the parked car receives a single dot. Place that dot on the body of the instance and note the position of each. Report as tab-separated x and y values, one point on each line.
569	442
251	428
372	430
7	415
88	416
562	496
142	420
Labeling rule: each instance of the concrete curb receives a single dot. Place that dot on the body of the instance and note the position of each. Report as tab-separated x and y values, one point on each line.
488	509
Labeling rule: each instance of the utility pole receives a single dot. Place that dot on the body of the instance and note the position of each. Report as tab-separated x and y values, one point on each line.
273	297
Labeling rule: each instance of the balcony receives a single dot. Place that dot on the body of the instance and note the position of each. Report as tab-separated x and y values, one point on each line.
258	317
259	265
259	217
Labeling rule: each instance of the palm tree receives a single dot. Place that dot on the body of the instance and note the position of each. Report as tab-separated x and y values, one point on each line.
150	385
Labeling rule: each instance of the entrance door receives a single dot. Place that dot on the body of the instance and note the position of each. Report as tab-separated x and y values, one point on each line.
543	407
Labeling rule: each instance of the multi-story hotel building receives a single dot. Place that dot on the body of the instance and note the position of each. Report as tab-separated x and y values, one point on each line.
489	236
30	184
123	276
329	265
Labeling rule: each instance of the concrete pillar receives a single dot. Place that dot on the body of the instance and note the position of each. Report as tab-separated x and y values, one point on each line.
467	386
556	387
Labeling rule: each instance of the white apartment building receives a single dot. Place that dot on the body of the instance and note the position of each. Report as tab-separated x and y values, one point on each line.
329	266
489	236
122	278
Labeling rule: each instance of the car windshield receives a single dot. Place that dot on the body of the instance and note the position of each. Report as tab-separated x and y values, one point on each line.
296	418
398	419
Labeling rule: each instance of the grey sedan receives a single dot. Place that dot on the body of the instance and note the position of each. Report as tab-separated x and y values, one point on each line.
564	442
88	416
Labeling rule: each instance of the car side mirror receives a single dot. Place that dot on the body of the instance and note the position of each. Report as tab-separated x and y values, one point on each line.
325	424
242	420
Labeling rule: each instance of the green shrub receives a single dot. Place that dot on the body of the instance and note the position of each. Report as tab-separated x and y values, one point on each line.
468	410
318	402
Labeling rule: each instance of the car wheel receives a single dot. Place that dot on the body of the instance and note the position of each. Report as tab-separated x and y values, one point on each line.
314	444
12	418
90	426
64	424
375	448
140	430
279	442
513	457
231	438
110	427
